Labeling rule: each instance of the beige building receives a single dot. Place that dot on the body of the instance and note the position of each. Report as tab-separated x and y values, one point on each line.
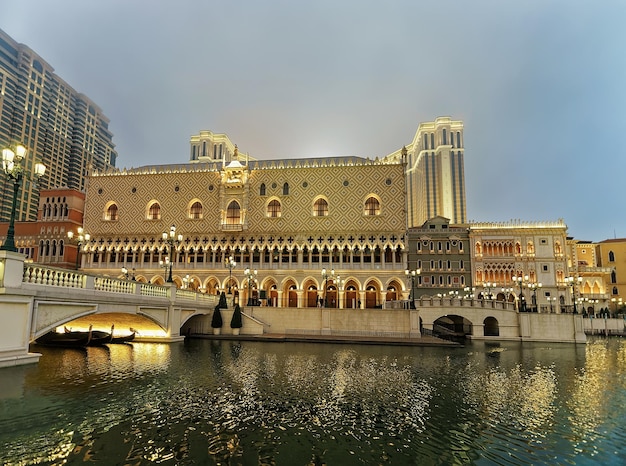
523	262
330	229
590	281
611	254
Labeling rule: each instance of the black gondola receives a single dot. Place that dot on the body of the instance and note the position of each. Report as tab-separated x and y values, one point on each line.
68	340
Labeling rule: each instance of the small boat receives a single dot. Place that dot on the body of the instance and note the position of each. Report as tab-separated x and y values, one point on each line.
98	337
67	340
123	339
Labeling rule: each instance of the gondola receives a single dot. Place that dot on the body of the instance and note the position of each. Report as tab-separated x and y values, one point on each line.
98	337
66	340
123	339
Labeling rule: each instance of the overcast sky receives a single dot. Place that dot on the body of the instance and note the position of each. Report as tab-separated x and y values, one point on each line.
539	85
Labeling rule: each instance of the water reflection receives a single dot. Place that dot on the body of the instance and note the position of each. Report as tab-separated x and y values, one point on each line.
220	402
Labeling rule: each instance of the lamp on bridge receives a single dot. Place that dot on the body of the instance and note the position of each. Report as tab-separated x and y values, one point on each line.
251	277
489	286
230	264
172	240
81	237
469	292
533	287
573	282
127	274
411	274
521	281
325	277
551	299
13	168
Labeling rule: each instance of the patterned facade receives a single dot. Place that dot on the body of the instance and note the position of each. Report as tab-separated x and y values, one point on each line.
59	126
286	219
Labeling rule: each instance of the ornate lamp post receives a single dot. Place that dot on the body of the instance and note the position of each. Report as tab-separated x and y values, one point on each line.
12	166
411	274
533	286
81	237
325	277
572	282
230	264
128	275
489	286
551	299
521	281
250	276
469	292
172	240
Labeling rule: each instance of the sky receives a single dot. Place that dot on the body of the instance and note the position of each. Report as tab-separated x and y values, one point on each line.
539	84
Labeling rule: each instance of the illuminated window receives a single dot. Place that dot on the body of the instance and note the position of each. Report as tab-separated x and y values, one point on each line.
320	208
111	213
154	212
372	206
195	211
233	213
273	208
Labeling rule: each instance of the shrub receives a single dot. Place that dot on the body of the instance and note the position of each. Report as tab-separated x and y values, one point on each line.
216	320
223	304
236	321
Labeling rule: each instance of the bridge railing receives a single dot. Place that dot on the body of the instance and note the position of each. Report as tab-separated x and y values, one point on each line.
437	301
39	274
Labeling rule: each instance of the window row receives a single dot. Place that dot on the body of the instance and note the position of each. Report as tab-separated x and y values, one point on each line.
255	256
233	212
432	246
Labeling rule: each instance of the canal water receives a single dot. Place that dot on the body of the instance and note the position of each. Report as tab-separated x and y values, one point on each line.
262	403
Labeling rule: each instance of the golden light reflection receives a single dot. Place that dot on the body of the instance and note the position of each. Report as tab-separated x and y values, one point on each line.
525	398
588	401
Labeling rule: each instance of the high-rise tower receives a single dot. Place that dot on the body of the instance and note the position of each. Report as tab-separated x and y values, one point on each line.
435	175
59	126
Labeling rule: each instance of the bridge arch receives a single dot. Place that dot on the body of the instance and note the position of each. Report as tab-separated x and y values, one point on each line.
454	326
491	327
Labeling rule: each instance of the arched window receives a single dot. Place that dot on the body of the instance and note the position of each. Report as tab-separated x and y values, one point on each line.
320	208
273	208
195	211
372	206
262	189
111	213
233	213
285	189
611	256
445	137
154	212
613	277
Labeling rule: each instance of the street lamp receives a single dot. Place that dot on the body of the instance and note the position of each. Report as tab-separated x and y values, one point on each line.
469	292
533	286
172	240
230	264
128	275
573	282
325	277
521	282
412	274
251	276
551	299
489	286
12	166
81	237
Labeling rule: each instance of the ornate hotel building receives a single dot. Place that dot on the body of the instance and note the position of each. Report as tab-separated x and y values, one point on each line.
58	125
328	229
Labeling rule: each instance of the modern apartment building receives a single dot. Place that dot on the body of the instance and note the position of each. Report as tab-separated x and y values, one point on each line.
58	125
